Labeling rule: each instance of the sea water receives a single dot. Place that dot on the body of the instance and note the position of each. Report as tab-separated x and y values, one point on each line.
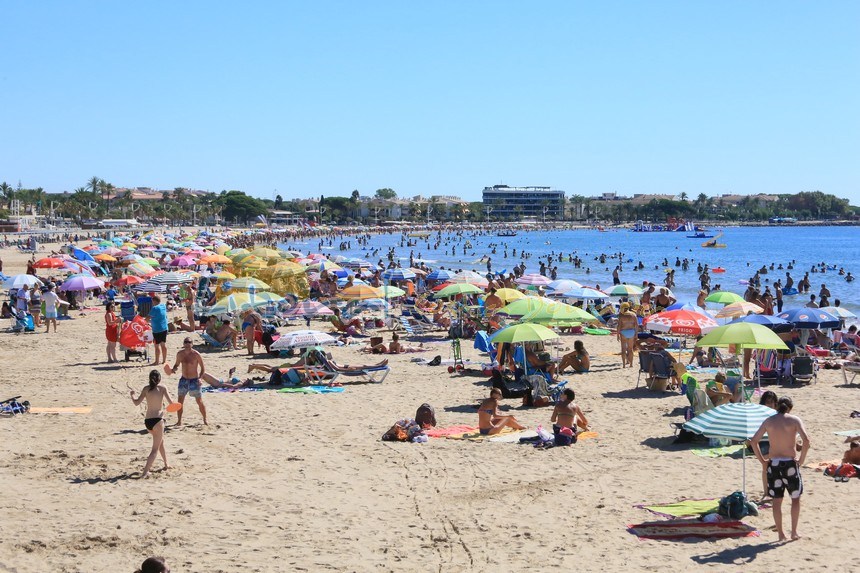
747	249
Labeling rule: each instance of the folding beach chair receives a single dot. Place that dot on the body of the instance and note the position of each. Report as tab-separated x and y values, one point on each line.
144	305
210	341
412	328
126	310
661	367
644	365
803	369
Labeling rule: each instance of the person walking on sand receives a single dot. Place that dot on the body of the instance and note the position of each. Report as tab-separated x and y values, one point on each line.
158	321
628	326
52	301
782	465
155	394
189	381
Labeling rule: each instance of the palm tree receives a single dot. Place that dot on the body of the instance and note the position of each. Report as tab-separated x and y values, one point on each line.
7	191
683	196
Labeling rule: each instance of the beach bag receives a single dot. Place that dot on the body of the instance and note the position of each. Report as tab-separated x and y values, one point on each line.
734	506
396	433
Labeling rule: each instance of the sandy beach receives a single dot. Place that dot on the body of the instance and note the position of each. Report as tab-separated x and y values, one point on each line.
290	482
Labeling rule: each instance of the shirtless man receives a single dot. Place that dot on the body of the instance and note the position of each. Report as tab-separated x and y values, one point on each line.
783	468
490	421
567	415
492	303
628	326
189	382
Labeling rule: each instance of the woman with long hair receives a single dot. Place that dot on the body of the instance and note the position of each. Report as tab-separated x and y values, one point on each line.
155	394
154	565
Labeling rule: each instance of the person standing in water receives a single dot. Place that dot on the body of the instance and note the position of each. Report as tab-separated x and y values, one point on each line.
783	468
155	394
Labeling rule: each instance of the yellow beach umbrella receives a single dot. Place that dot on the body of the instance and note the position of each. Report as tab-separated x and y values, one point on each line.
249	283
103	257
509	294
223	276
736	309
215	259
266	253
359	292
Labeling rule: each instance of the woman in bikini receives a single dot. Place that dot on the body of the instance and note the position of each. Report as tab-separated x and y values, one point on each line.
578	359
155	394
490	421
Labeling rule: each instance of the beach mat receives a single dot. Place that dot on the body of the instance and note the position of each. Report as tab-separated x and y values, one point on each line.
313	390
685	508
213	390
476	436
684	529
450	430
719	451
62	410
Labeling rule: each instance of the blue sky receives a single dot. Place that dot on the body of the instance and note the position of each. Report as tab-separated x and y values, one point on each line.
433	98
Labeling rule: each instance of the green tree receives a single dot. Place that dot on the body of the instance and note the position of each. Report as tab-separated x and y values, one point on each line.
355	196
238	206
386	193
279	202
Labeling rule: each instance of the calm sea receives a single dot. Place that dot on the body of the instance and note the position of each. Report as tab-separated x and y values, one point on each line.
747	248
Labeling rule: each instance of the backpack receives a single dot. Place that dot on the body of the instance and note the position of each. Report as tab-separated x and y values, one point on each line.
734	506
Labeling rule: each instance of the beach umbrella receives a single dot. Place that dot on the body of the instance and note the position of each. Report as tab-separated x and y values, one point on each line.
814	318
310	308
149	286
838	311
625	290
691	306
371	304
214	259
128	280
343	281
18	281
526	306
358	264
171	279
81	283
469	277
562	285
737	309
557	313
223	276
584	293
105	258
742	335
440	275
389	291
182	261
150	261
50	263
458	288
139	268
251	263
235	252
397	274
302	339
509	294
358	292
534	279
249	283
764	319
724	297
683	322
242	301
266	253
81	254
735	421
523	332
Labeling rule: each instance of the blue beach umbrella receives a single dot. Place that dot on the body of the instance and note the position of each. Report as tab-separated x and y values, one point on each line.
763	319
398	275
440	275
809	318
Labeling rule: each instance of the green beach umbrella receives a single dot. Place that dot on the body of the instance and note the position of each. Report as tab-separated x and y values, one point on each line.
242	301
458	288
743	335
389	291
558	312
523	332
724	297
527	305
625	290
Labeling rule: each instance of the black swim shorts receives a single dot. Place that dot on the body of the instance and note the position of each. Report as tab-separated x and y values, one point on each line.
159	337
784	475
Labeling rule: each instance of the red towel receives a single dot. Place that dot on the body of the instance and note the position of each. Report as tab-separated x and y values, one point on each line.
450	430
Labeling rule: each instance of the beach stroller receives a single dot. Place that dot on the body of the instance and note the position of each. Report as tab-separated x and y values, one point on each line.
133	337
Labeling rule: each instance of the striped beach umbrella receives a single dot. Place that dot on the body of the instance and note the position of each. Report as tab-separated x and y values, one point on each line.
302	339
735	421
310	308
397	275
440	275
625	290
562	285
171	279
534	279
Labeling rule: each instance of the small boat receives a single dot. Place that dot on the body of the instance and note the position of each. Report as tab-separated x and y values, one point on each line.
700	236
507	233
718	270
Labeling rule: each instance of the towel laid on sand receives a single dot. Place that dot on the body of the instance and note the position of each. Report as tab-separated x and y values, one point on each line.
312	390
445	432
685	508
718	452
476	436
682	529
62	410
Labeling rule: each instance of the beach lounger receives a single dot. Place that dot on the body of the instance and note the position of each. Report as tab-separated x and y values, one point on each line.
375	374
852	368
412	329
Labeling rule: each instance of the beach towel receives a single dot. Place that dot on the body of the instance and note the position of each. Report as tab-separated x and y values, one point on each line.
476	436
587	435
445	432
685	508
313	390
62	410
213	390
848	433
682	529
512	437
718	452
821	466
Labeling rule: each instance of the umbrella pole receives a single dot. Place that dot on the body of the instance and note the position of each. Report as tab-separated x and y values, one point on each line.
744	466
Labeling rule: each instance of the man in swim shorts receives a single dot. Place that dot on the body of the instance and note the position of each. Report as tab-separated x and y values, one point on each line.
189	382
781	465
628	326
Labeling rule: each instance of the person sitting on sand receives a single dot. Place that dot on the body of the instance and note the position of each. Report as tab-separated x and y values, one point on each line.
701	358
490	421
395	347
566	416
578	359
852	454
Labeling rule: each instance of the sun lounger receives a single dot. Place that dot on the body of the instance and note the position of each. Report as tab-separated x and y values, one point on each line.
850	367
373	374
